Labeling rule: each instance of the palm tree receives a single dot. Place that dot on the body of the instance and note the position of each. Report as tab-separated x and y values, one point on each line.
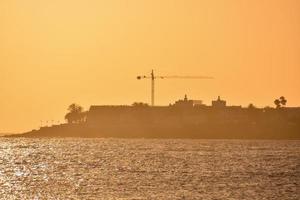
277	103
283	101
280	102
75	108
75	114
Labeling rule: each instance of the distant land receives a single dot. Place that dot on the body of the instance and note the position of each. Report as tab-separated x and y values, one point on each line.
3	134
183	119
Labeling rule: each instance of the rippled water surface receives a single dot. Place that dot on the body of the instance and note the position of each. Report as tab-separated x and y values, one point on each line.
148	169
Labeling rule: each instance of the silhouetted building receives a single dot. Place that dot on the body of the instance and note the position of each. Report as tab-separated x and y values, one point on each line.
198	103
188	103
218	103
184	103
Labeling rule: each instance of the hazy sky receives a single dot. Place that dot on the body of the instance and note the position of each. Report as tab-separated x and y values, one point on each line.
54	53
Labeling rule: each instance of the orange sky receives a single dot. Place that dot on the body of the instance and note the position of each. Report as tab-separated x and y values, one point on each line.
53	53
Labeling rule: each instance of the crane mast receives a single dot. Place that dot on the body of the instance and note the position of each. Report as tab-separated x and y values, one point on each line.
152	87
153	77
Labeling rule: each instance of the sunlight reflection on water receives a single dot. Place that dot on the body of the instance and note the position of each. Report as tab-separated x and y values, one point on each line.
148	169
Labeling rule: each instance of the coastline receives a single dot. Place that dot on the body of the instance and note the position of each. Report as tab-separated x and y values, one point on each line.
84	131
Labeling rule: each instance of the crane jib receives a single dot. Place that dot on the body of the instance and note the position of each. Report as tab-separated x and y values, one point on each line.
153	77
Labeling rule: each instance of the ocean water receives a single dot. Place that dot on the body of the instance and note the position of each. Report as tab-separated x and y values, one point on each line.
138	169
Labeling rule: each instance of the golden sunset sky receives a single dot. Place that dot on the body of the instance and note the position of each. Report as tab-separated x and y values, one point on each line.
56	52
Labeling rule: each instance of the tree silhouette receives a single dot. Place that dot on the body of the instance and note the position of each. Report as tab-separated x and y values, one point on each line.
75	114
277	103
283	101
280	102
251	106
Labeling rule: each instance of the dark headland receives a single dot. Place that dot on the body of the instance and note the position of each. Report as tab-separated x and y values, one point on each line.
183	119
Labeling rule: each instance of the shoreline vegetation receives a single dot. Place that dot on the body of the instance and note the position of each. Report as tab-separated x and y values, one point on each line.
186	119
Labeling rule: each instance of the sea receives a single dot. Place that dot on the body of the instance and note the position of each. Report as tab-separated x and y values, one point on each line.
136	169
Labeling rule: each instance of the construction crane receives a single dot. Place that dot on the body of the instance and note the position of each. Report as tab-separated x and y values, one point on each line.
153	77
